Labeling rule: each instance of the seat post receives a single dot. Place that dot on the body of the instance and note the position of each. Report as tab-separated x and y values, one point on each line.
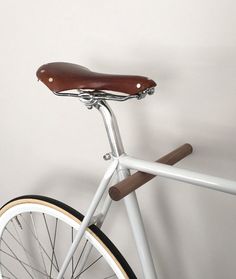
111	128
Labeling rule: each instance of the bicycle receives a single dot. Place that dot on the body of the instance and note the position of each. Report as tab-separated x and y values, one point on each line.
41	237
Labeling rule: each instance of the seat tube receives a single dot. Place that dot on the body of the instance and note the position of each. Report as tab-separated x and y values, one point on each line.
139	233
137	226
131	202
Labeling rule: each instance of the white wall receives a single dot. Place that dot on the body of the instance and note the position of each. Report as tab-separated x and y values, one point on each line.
48	144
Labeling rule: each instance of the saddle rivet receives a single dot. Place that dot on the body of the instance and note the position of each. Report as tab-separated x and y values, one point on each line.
50	79
138	85
42	71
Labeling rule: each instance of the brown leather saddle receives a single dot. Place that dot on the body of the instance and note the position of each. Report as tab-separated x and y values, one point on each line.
61	76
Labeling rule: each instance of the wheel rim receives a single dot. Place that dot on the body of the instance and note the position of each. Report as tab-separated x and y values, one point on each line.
40	235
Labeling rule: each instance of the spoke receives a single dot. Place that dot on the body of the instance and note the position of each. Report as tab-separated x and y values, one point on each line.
20	242
17	259
88	267
24	263
40	249
72	276
38	242
72	260
8	270
36	234
51	242
85	258
53	247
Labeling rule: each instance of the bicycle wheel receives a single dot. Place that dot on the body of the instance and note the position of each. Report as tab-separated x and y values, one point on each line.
36	233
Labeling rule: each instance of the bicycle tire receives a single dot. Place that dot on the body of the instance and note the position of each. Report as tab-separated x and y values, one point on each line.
33	206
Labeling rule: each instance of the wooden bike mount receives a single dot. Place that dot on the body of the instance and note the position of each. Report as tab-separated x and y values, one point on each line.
133	182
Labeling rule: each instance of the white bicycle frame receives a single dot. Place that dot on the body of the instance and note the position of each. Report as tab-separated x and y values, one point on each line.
120	166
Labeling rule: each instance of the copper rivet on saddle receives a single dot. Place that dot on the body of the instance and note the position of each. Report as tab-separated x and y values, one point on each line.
50	79
42	71
138	85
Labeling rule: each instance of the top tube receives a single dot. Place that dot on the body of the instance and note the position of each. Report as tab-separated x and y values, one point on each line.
204	180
